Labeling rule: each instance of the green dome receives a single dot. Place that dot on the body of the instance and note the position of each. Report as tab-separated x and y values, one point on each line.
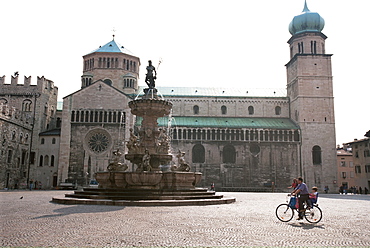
307	21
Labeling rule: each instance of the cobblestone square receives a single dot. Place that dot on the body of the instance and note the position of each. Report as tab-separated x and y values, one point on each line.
250	221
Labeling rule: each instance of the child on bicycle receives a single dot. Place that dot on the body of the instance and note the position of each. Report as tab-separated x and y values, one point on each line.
313	195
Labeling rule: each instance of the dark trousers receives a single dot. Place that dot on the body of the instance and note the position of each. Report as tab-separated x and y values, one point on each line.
303	198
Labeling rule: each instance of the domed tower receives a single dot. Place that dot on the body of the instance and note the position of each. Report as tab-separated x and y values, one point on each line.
310	89
114	65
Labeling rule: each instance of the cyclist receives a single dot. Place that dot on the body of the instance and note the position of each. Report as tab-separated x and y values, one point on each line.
302	191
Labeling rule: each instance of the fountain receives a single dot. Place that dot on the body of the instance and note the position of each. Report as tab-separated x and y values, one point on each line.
147	185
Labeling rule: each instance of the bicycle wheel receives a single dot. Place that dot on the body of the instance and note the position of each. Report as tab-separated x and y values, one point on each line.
313	215
284	213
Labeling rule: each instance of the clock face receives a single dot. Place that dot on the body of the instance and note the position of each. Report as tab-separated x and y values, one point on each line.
98	140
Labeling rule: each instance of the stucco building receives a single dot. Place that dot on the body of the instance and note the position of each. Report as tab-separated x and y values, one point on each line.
361	160
346	169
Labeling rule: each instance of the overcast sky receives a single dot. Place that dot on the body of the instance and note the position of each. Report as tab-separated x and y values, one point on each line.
234	43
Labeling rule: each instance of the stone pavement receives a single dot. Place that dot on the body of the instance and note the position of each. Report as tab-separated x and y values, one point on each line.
250	221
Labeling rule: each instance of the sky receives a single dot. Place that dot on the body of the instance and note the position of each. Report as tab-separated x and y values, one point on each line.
204	43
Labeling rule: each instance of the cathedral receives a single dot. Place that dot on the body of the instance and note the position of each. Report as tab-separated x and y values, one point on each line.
240	139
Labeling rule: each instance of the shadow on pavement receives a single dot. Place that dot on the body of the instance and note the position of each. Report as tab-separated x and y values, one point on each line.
307	226
80	209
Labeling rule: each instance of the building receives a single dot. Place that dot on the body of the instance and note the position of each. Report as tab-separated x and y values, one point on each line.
361	161
26	111
239	139
346	170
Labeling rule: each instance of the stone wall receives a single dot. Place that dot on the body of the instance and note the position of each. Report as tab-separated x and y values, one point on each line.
236	107
32	104
276	162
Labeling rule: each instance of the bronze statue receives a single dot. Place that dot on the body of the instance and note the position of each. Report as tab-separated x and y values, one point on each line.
151	75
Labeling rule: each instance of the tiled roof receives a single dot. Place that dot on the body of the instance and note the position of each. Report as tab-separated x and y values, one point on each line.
358	141
112	47
227	122
50	132
342	152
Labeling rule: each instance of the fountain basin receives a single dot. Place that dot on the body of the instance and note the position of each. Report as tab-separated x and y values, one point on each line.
148	180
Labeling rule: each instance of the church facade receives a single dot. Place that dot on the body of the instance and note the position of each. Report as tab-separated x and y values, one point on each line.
239	138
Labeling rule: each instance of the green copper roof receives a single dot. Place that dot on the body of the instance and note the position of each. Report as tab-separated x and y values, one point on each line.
306	22
226	122
112	47
217	92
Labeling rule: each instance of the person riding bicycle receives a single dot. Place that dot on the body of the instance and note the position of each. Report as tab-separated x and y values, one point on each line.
302	191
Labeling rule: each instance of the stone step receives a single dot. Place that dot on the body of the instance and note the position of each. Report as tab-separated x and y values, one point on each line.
144	197
193	202
144	190
144	193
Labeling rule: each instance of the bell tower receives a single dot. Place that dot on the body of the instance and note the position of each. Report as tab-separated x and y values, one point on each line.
310	89
112	64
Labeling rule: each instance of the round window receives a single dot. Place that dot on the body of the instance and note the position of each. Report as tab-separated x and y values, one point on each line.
98	140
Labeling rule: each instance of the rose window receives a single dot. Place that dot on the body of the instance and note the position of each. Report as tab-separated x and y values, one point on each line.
98	141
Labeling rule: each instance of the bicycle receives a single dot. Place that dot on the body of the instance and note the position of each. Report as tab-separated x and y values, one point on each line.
285	213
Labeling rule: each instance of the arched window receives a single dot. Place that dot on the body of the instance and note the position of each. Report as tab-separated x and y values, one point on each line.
53	141
198	153
52	161
59	122
316	155
255	149
3	101
42	141
41	160
26	105
229	154
46	108
250	110
223	110
277	110
46	160
196	109
10	154
108	81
